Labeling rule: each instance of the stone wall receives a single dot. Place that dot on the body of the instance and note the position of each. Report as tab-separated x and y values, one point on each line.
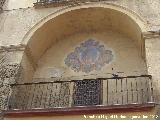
153	61
8	74
13	22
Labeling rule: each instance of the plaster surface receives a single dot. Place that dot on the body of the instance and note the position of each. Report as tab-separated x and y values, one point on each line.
127	58
13	22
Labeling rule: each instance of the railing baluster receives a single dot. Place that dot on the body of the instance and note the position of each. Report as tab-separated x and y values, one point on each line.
33	95
147	90
18	102
25	97
40	95
139	90
29	96
110	92
131	92
152	92
107	92
121	91
127	90
136	91
116	91
43	95
35	101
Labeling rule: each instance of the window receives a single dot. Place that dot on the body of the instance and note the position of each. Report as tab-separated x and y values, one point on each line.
87	92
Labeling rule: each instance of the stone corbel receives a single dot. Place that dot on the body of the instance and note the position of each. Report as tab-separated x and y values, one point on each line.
11	48
151	34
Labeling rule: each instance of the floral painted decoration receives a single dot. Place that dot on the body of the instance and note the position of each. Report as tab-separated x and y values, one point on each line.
89	56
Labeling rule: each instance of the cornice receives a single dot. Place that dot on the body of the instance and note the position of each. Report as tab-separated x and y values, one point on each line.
11	48
151	34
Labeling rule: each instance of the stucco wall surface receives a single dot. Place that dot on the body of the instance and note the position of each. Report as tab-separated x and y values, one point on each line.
153	62
14	24
127	58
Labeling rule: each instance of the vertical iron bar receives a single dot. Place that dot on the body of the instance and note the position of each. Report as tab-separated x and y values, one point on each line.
107	92
116	92
127	90
122	90
132	91
136	89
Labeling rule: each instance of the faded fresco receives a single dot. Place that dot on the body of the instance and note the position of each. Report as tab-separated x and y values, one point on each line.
89	56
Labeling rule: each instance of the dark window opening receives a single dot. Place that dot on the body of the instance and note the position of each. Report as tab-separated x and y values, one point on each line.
87	92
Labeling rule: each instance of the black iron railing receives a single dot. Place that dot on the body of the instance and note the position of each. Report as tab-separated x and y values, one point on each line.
1	4
88	92
47	3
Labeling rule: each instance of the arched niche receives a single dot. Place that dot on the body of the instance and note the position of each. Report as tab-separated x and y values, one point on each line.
83	22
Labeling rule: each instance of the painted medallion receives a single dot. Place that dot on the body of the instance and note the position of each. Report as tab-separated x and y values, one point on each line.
89	56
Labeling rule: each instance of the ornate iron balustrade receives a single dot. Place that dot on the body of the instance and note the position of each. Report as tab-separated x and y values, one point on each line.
1	4
71	93
48	3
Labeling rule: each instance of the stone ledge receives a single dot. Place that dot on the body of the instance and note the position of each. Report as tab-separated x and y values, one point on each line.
80	110
151	34
11	48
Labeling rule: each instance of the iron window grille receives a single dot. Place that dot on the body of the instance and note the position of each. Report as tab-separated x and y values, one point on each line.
1	4
87	93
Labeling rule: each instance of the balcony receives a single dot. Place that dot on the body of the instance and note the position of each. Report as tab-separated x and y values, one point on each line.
79	96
